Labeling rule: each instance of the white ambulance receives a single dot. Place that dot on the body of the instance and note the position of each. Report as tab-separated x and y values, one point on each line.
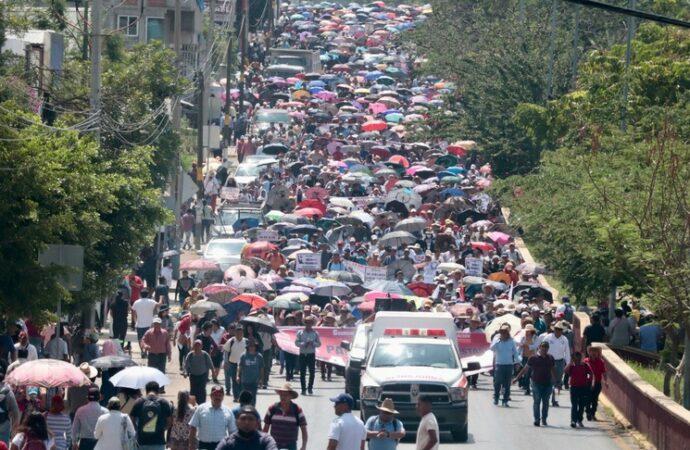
412	354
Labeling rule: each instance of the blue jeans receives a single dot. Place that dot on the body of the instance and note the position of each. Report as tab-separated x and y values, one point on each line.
230	376
540	395
152	447
503	377
253	388
5	429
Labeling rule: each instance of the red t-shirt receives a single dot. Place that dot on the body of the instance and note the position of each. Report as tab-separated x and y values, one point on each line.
184	325
598	368
580	375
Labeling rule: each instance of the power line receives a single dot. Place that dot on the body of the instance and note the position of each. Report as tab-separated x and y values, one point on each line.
632	12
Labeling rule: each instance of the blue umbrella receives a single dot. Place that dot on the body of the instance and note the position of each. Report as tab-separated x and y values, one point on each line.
453	192
455	170
234	309
316	89
316	83
444	174
371	76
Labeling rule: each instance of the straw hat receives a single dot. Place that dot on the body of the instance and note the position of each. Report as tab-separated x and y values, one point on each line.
287	387
89	371
388	406
530	327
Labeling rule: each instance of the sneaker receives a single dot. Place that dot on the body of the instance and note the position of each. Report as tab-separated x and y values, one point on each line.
572	424
580	424
495	401
304	392
536	423
505	404
311	391
555	404
543	422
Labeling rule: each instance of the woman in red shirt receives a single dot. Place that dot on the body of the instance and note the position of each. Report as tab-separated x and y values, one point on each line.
598	367
581	378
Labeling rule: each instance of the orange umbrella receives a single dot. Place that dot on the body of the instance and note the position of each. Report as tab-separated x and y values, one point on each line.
258	249
399	159
500	277
256	301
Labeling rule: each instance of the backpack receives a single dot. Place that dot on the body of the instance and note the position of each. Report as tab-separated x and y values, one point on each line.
33	443
149	422
4	413
293	407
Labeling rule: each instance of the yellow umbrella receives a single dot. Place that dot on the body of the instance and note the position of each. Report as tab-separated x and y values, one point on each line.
501	277
301	94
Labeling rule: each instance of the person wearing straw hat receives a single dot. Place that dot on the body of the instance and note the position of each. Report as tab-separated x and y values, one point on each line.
307	340
285	419
384	430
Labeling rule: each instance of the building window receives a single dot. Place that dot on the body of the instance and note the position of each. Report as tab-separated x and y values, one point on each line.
154	29
128	25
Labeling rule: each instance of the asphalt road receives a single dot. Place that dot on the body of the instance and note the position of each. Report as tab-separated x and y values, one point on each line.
490	426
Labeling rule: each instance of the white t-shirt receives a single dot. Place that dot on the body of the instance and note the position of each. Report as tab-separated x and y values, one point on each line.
18	440
31	350
349	431
144	307
427	423
56	348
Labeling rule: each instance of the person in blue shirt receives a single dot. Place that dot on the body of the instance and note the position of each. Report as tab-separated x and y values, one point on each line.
384	430
506	357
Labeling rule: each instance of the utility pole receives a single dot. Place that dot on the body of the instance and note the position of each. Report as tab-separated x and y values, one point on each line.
95	99
552	49
244	43
228	100
271	23
628	57
176	182
200	82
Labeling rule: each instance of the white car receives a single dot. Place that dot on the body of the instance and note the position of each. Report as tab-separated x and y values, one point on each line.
247	173
225	252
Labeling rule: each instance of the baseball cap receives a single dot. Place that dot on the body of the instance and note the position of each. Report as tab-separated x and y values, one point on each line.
343	398
217	388
157	320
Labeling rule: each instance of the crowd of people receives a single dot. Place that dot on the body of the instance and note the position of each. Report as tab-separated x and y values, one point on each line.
383	217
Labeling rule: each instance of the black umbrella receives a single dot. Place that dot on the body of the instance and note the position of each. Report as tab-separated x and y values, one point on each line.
275	148
343	277
112	362
260	323
305	229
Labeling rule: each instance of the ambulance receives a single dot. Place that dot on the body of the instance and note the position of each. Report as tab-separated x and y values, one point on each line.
412	354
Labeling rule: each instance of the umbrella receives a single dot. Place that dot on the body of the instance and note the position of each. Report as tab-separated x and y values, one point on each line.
305	281
284	303
484	246
294	219
333	289
392	287
316	192
341	202
274	216
343	277
202	307
275	148
293	255
297	289
295	297
400	160
501	277
309	212
47	373
532	267
256	301
499	238
303	229
112	362
239	271
397	238
421	289
138	376
449	267
260	323
219	293
411	224
258	249
407	268
451	180
493	326
374	125
249	284
271	278
199	264
406	196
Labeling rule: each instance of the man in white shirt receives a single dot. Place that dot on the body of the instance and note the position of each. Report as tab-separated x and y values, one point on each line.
428	432
143	312
233	350
559	349
23	344
347	432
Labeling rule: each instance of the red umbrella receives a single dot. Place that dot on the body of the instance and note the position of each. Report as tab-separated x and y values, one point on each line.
456	150
374	125
399	159
309	212
420	289
316	192
256	301
312	203
219	293
484	246
258	249
381	152
199	264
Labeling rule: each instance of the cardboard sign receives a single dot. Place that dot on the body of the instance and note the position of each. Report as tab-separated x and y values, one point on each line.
366	273
330	350
230	194
474	266
308	262
268	235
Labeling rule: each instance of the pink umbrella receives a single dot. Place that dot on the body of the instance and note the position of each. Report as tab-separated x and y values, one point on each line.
239	271
47	373
498	237
373	295
337	164
219	293
412	170
419	99
293	80
378	108
326	95
199	264
271	278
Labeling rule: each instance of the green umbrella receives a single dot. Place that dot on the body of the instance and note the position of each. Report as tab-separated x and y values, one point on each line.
284	303
274	215
388	81
447	160
451	180
326	223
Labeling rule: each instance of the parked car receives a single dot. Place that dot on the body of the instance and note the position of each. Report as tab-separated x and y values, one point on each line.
225	252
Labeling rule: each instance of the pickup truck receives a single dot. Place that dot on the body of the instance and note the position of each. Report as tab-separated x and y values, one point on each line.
309	60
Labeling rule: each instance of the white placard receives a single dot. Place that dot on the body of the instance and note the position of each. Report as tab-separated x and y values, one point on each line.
474	266
229	193
308	262
268	235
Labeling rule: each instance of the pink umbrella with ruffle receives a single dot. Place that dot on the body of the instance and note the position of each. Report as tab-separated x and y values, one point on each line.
47	373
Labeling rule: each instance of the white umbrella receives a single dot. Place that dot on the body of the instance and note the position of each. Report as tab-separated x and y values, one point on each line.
407	197
512	320
136	377
334	289
341	202
396	238
202	307
411	224
449	267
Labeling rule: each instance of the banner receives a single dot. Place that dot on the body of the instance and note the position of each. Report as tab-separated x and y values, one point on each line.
366	273
230	194
308	262
473	346
330	350
268	235
474	266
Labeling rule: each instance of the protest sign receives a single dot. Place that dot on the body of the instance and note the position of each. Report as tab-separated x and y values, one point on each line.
329	351
268	235
230	194
308	262
474	266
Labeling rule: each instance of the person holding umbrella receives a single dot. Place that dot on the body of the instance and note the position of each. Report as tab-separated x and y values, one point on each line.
384	430
307	340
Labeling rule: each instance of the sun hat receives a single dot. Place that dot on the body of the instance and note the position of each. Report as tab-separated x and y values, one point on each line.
388	406
287	387
89	371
